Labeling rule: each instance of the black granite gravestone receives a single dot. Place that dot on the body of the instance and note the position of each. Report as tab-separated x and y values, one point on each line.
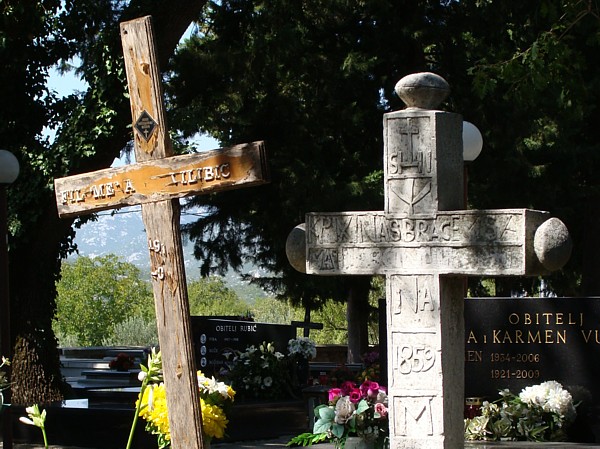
214	336
516	342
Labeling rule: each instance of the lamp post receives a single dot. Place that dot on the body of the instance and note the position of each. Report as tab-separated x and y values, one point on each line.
9	170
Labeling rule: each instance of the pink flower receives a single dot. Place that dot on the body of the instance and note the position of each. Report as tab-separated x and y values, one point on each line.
334	393
355	395
370	389
381	410
365	386
373	390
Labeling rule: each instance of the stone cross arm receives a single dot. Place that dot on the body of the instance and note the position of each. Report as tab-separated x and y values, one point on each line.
467	242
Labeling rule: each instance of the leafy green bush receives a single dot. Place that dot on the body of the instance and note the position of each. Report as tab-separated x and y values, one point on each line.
96	294
134	331
211	296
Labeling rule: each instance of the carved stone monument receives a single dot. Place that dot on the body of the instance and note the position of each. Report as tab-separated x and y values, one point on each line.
425	243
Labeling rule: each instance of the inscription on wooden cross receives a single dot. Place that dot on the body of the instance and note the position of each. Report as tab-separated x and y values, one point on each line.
156	182
424	242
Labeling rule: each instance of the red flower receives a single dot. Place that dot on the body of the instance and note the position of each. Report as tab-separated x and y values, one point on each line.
355	395
347	387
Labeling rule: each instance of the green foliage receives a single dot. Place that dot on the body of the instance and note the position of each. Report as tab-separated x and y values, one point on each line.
275	311
307	439
211	296
91	129
96	294
134	331
335	324
532	88
312	79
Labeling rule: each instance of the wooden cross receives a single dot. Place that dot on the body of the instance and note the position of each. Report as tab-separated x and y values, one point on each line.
424	243
156	182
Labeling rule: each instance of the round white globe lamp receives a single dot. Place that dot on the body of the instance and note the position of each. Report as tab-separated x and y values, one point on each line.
472	142
9	167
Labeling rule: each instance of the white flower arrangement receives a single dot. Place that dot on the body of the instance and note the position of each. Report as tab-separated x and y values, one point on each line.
539	413
550	397
258	372
302	346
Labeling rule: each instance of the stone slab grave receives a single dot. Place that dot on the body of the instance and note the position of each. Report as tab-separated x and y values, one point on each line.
425	243
156	182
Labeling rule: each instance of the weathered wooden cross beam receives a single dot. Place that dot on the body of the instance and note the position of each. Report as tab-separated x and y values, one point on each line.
424	243
156	182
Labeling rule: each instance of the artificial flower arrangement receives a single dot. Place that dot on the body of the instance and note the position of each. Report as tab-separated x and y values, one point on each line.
122	362
352	410
539	413
372	367
302	347
259	372
215	399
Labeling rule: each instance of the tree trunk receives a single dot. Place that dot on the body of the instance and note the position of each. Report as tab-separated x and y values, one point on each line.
358	317
34	268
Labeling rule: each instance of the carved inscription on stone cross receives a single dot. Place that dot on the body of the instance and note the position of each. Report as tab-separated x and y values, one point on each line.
413	416
457	242
417	302
409	158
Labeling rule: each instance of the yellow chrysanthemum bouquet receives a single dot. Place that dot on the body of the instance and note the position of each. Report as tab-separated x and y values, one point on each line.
215	400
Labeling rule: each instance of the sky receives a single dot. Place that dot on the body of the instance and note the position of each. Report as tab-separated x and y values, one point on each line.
68	83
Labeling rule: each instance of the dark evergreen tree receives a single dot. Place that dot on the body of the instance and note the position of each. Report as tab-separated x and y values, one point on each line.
312	79
92	128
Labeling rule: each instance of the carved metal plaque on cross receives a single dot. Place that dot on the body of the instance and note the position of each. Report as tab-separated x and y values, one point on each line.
156	182
424	243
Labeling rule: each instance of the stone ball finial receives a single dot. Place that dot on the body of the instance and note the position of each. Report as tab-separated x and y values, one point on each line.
424	90
295	248
552	244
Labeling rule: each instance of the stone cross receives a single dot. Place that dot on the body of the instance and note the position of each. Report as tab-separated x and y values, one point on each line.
425	243
156	182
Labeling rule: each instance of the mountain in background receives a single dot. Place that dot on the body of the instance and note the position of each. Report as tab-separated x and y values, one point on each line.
122	233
